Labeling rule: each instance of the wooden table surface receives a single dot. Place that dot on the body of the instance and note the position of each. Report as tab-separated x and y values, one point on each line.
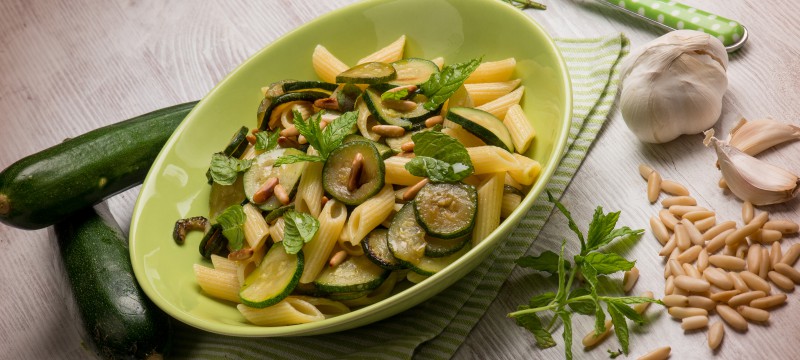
69	67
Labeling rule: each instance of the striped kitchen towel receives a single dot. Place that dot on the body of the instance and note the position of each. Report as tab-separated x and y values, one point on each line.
437	327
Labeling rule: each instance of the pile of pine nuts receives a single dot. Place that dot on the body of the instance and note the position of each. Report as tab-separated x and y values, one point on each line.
720	267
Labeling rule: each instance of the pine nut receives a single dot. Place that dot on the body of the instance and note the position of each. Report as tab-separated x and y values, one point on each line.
388	130
680	210
723	184
691	271
337	258
738	283
241	254
281	194
765	264
355	172
753	258
718	278
265	191
766	236
323	200
730	250
290	131
701	302
682	237
755	282
679	291
695	216
250	138
781	281
694	235
702	260
718	242
286	142
678	200
407	147
732	317
791	255
788	271
645	171
661	353
668	219
400	105
715	334
747	212
741	251
629	279
675	267
694	322
747	230
786	227
718	229
775	254
724	296
591	339
674	188
653	186
753	314
640	308
690	255
704	224
669	285
412	191
680	312
659	230
329	103
691	284
746	298
730	263
302	140
769	301
668	247
433	121
675	300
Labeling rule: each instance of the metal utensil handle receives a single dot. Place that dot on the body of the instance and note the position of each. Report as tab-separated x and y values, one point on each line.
673	15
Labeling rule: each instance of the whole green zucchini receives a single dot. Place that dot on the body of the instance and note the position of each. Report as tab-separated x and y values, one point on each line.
42	189
121	320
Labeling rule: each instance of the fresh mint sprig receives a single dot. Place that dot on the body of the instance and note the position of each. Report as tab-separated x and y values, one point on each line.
225	169
325	141
591	263
299	228
442	85
266	141
232	221
439	157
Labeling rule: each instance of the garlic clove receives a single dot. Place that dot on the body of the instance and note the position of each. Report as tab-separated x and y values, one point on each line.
753	137
751	179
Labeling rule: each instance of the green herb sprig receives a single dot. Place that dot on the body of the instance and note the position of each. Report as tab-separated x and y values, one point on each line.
585	300
442	85
232	221
225	169
439	157
325	141
299	228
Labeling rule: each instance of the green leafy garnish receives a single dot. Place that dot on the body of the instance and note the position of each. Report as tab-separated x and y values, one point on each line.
441	86
395	95
266	141
225	169
232	220
439	157
591	263
299	228
526	4
324	141
614	354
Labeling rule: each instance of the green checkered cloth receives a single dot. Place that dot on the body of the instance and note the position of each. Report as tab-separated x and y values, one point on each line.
436	328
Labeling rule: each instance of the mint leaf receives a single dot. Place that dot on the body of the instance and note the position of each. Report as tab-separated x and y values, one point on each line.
232	220
299	228
336	131
566	318
562	275
395	95
225	169
296	158
440	86
601	225
620	326
546	262
585	307
542	299
439	157
606	264
572	225
266	141
626	310
309	128
532	323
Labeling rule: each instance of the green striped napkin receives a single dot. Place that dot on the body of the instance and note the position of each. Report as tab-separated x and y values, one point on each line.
436	328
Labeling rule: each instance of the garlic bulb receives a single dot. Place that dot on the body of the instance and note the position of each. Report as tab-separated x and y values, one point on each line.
674	85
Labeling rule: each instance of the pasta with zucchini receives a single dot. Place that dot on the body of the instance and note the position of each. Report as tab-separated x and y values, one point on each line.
362	180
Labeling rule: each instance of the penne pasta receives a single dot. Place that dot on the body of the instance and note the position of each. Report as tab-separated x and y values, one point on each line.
527	170
317	251
327	307
510	203
217	283
276	230
493	71
439	61
499	107
521	130
223	264
388	54
396	172
289	311
326	65
369	215
491	159
490	198
481	93
255	228
310	190
465	137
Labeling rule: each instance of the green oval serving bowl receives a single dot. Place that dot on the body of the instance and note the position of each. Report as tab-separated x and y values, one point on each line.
458	30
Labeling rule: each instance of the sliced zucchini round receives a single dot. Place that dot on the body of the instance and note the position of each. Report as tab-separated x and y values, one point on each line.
336	172
274	279
409	120
413	71
376	248
340	296
385	151
367	73
429	266
263	118
288	175
446	210
356	274
406	238
214	243
275	214
308	85
223	196
484	125
436	247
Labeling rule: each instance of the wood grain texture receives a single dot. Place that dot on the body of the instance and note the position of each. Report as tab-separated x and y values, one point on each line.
69	67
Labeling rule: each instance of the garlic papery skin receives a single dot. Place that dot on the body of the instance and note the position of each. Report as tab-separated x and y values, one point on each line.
751	179
674	85
753	137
